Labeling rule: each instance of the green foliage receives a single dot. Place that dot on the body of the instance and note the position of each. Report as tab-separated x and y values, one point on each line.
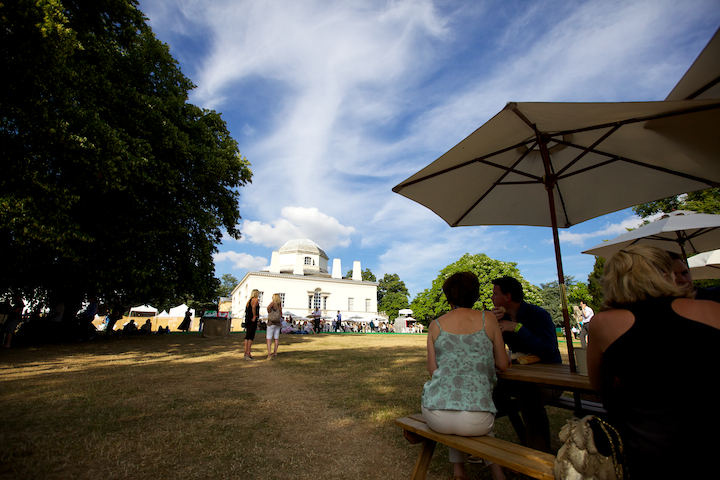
366	275
594	287
552	303
228	283
703	201
392	295
112	183
431	303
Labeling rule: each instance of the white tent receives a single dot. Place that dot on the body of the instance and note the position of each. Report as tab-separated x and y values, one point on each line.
180	310
163	314
143	311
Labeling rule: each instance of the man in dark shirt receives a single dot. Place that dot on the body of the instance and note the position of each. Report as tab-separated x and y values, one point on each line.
683	279
528	329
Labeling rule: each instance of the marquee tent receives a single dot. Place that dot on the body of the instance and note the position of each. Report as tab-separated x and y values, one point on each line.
180	310
143	311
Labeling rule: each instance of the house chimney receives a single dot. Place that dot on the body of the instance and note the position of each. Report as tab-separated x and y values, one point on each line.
337	269
357	271
275	262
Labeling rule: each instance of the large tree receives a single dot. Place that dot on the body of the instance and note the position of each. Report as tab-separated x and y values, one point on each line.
392	295
431	302
702	201
112	183
552	302
228	282
594	287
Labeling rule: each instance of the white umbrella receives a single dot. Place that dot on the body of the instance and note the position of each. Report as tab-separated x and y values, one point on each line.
559	164
680	232
705	265
701	79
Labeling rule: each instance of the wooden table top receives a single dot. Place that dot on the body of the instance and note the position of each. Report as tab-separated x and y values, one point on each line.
556	374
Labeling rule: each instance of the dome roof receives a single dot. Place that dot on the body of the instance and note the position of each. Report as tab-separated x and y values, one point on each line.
302	245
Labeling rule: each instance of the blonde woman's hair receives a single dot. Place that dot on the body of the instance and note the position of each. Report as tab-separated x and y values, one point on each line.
254	294
276	299
636	273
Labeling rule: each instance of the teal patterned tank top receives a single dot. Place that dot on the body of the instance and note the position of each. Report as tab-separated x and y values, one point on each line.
465	377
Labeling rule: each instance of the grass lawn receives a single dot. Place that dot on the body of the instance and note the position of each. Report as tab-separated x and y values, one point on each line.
181	406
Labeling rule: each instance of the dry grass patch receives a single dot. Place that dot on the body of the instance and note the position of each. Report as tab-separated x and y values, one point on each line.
180	406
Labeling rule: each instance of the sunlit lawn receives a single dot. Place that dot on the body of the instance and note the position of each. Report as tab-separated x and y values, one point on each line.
181	406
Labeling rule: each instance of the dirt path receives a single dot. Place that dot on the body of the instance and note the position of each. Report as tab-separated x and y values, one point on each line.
309	439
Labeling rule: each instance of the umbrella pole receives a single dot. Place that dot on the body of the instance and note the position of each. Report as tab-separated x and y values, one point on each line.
550	188
561	284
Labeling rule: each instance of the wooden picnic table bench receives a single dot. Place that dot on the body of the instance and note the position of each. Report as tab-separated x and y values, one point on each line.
519	458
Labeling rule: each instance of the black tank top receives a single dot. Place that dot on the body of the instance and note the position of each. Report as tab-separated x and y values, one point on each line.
666	403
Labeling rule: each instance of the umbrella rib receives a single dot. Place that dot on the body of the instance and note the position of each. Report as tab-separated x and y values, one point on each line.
498	182
703	89
613	158
695	234
585	150
646	118
550	183
397	188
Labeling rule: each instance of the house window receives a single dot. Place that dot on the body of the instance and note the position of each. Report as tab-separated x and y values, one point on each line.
351	301
324	303
308	261
282	299
316	299
310	297
367	304
260	298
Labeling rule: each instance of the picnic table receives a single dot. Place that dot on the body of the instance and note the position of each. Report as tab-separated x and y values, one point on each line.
550	374
558	376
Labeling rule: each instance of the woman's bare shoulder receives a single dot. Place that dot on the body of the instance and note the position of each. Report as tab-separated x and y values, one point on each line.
704	311
608	325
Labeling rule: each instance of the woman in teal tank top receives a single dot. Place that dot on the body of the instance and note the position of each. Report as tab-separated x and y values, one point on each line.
464	348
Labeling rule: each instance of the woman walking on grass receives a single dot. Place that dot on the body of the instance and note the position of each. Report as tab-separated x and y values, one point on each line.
252	312
274	325
464	346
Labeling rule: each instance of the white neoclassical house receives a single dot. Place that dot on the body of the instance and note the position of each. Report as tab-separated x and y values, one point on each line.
298	272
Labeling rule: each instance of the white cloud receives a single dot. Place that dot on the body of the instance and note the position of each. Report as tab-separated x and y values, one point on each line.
241	261
334	103
299	222
608	232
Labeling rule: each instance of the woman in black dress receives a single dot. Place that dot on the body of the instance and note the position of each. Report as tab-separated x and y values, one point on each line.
185	325
252	312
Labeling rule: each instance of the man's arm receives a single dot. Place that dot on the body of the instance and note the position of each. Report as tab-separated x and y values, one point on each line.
538	335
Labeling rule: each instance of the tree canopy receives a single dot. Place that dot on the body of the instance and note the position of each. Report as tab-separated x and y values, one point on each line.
228	283
594	286
431	302
112	183
392	295
552	303
702	201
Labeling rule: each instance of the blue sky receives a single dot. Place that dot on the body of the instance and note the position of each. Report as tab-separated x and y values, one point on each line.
334	103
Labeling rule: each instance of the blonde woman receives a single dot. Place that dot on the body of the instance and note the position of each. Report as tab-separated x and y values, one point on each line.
252	312
274	325
652	354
